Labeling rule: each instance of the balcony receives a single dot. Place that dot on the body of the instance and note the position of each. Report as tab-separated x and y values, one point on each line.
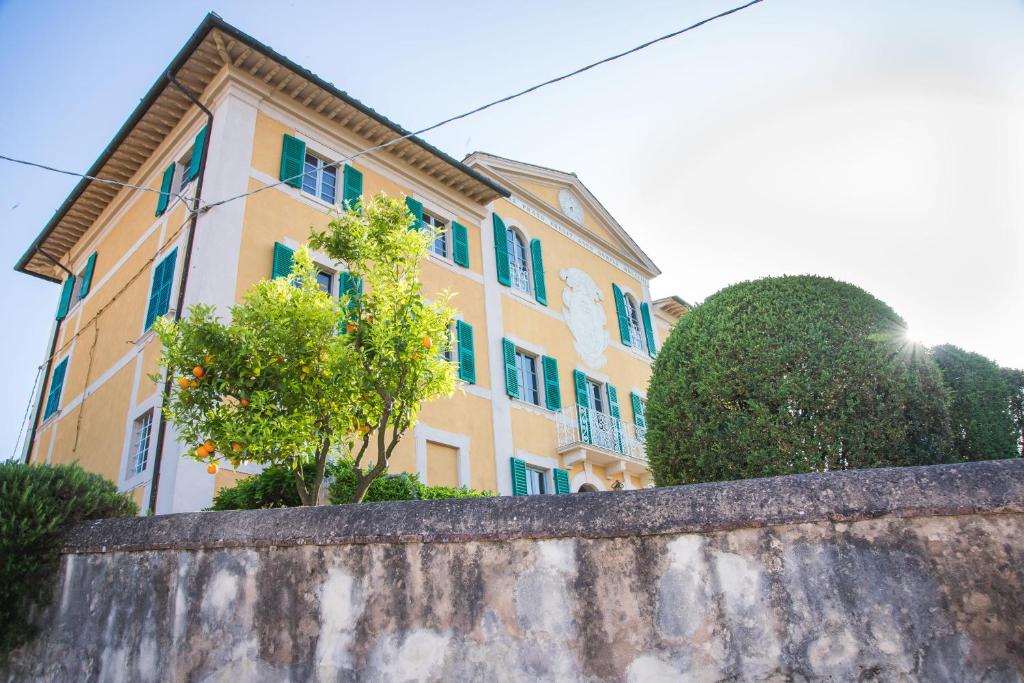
587	435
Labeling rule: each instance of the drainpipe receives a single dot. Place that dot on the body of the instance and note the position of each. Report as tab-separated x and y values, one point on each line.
49	366
154	485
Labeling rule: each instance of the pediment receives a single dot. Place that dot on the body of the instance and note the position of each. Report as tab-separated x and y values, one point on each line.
548	189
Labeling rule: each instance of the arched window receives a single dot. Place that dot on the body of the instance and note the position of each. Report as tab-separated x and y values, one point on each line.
588	488
517	260
636	335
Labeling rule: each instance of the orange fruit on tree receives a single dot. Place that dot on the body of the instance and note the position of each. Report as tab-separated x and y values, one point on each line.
212	468
198	371
351	328
210	446
202	452
427	342
244	403
192	384
235	463
184	382
236	447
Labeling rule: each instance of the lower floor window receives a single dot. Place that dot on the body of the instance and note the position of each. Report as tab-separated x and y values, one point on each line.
141	431
535	481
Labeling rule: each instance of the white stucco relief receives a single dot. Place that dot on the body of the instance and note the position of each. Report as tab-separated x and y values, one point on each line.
585	316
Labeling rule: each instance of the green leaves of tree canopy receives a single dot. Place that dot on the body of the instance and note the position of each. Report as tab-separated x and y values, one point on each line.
791	374
982	425
279	385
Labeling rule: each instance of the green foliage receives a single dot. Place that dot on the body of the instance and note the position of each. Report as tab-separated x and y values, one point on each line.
792	374
1015	383
298	377
397	335
274	487
982	425
37	504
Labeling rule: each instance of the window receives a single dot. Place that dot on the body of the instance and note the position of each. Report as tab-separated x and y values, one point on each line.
56	387
138	457
325	280
319	179
595	396
449	350
535	481
439	247
517	259
636	339
184	177
526	370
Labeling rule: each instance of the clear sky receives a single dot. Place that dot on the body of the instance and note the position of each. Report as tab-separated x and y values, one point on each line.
874	141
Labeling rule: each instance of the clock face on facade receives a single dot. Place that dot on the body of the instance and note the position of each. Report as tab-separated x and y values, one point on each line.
570	205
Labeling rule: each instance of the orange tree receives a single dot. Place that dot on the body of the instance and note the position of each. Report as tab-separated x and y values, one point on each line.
298	376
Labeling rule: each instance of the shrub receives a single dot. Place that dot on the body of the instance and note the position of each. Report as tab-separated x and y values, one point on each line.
982	425
275	487
37	504
792	374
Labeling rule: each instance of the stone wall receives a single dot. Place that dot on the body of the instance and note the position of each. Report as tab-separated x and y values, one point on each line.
910	574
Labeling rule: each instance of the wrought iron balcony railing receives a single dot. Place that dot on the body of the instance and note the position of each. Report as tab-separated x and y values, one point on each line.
578	425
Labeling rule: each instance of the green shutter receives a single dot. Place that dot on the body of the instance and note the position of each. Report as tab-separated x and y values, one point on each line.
282	264
56	386
620	311
552	392
197	153
160	292
293	160
501	251
511	375
613	410
518	477
416	209
90	265
460	245
561	481
540	292
467	360
582	401
352	189
639	410
645	313
351	285
165	190
65	297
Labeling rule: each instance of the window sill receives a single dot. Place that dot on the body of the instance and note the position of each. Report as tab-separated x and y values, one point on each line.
532	408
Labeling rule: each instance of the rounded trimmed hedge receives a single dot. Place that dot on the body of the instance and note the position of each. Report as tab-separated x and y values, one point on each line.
792	374
37	504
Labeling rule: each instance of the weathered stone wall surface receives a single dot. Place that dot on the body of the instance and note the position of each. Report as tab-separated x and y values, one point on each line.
912	574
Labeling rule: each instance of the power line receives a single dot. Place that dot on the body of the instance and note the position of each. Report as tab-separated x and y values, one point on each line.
493	103
405	136
108	181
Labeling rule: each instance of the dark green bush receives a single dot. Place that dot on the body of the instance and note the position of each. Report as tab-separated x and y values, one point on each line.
792	374
37	504
982	424
275	487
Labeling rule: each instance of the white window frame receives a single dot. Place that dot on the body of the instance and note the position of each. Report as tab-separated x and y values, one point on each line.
181	170
542	476
520	277
318	178
521	373
131	479
637	339
434	221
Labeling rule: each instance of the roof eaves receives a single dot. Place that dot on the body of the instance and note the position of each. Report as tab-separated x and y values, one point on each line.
210	22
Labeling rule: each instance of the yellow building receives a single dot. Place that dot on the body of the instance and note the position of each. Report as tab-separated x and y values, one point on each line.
556	326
